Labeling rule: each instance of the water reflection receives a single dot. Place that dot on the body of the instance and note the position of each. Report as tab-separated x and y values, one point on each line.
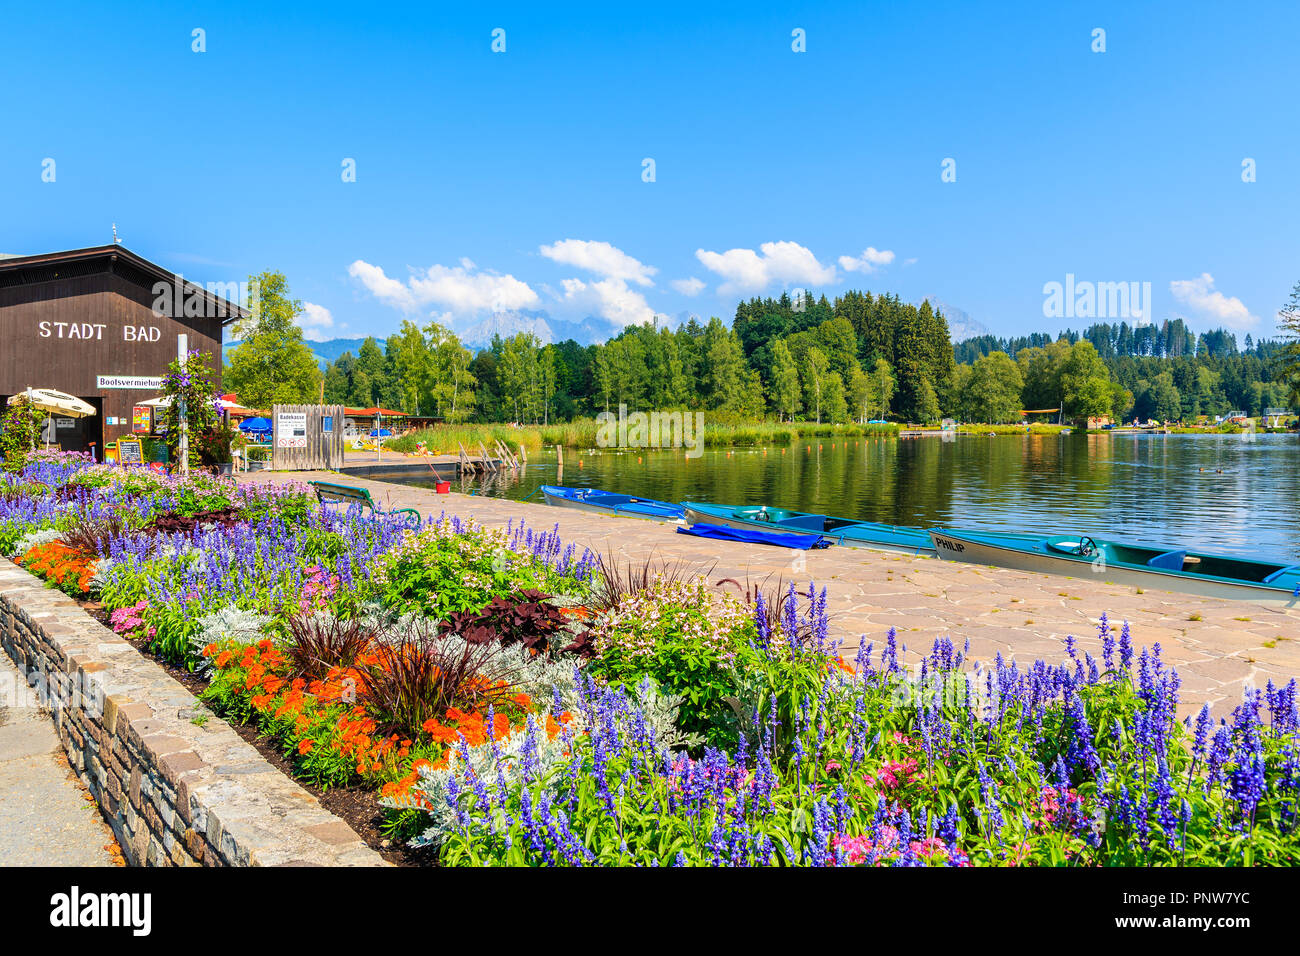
1210	492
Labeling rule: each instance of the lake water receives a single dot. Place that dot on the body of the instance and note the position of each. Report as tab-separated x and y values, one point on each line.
1208	492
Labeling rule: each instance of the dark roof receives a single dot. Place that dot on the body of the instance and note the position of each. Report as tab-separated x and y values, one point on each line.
117	259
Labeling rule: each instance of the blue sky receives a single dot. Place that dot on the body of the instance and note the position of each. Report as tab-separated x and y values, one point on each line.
514	180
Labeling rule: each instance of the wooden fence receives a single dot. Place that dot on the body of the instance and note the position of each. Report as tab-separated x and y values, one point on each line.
306	437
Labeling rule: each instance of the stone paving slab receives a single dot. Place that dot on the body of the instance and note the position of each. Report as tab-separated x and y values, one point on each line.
175	791
1216	643
47	817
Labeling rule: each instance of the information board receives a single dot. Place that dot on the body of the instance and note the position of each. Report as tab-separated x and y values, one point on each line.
130	451
291	429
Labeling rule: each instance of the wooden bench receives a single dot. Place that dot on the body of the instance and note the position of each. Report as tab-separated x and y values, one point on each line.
329	493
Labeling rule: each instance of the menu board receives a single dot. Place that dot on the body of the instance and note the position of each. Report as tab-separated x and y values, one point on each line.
130	451
141	419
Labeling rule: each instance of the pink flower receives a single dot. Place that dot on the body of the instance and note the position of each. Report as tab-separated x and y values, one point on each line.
893	774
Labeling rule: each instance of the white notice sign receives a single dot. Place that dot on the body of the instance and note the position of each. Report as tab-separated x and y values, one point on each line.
291	429
143	382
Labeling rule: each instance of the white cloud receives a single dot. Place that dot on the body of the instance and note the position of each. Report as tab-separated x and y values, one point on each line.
609	298
381	286
780	262
315	321
1201	297
600	258
459	289
691	286
870	260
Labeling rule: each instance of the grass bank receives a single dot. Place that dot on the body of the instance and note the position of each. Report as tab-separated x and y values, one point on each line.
584	433
1038	428
447	439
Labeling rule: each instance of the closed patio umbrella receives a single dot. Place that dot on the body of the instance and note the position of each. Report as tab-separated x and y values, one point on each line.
54	402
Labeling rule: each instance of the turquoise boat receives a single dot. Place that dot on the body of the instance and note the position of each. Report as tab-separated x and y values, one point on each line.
842	531
1118	562
610	503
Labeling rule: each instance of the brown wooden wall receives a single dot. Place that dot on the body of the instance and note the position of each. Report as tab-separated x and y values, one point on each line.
104	305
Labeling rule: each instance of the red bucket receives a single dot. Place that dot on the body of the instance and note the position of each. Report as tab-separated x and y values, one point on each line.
443	487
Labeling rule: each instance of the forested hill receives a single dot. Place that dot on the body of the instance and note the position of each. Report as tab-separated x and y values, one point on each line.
860	356
1166	371
1171	339
849	336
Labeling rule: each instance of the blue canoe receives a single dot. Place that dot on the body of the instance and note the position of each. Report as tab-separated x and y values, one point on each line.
1118	562
842	531
781	539
608	503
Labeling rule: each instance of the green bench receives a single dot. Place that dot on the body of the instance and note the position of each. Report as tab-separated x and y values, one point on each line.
329	493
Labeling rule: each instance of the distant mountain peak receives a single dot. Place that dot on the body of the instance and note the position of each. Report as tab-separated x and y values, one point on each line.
478	335
505	324
961	324
546	327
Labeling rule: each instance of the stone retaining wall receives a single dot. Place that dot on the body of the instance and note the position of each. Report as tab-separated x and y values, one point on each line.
175	792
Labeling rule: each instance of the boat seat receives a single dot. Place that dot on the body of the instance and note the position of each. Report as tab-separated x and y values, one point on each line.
1169	561
804	522
1281	571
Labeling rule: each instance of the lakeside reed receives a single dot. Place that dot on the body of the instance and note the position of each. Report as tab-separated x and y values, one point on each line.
583	433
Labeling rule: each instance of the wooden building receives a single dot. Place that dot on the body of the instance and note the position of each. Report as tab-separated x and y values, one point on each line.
102	324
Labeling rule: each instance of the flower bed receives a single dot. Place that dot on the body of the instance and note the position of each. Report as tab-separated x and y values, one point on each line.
511	700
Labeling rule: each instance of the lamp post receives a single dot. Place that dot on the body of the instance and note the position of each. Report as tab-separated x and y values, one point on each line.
182	347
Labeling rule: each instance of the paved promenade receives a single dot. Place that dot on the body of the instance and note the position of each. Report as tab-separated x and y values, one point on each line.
47	817
1217	645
